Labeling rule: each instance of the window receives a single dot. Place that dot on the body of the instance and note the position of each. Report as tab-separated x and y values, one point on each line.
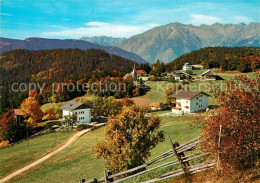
187	101
197	98
197	104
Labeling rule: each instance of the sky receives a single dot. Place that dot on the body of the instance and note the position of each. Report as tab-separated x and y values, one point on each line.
73	19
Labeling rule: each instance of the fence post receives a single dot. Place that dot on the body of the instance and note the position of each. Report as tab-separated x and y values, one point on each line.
105	174
178	157
219	143
109	173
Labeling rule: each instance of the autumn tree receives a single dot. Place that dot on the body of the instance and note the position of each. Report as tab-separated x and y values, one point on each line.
49	114
130	136
239	115
170	91
10	129
32	109
71	120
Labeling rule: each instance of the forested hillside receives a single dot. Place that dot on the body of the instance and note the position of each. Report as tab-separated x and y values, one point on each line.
244	59
54	66
7	44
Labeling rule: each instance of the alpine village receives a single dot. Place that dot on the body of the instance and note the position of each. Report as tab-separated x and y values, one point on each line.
172	103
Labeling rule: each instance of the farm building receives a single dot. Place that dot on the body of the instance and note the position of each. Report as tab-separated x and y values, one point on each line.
156	106
18	114
83	113
182	76
209	75
188	101
197	67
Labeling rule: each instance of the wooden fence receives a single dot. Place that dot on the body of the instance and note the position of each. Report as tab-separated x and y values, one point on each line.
176	151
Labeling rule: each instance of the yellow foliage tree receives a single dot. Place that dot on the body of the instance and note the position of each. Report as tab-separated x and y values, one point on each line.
130	136
32	109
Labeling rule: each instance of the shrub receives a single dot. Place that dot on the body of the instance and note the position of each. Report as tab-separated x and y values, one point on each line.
83	126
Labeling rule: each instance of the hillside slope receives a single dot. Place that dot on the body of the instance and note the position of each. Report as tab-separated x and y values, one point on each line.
56	65
41	43
244	59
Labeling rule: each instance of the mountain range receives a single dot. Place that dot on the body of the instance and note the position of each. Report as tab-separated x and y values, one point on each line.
41	43
167	42
103	40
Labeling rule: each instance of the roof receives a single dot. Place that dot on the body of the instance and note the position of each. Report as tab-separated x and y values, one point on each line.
187	94
71	105
197	66
155	104
207	72
18	112
141	71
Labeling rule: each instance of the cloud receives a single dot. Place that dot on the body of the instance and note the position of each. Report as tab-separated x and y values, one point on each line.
58	26
242	19
101	29
5	14
97	24
197	19
66	19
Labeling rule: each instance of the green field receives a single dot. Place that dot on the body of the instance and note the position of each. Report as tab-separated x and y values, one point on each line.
17	156
78	160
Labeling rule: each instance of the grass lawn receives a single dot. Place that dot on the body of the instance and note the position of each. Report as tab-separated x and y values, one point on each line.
51	105
78	160
156	94
19	155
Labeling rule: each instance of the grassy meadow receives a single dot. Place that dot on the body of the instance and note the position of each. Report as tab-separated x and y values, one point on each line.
17	156
78	160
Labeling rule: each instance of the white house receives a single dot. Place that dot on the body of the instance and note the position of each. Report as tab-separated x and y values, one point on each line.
189	101
187	66
83	113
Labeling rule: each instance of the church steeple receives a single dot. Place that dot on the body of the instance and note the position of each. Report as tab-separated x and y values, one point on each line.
134	72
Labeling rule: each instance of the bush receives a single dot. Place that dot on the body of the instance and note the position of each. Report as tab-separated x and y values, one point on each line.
83	126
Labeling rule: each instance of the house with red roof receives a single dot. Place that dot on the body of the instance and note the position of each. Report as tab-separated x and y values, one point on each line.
156	106
18	114
141	73
188	101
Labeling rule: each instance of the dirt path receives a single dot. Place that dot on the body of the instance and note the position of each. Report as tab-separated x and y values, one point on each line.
73	139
